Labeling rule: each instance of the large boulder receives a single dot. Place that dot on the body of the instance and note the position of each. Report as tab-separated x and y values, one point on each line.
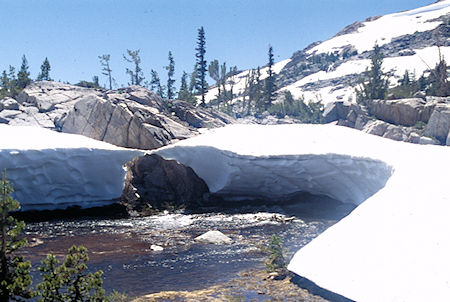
129	117
439	123
153	182
405	112
123	122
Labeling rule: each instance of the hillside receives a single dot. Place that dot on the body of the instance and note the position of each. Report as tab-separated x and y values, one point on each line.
328	71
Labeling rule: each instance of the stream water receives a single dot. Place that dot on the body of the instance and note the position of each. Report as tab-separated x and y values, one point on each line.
121	248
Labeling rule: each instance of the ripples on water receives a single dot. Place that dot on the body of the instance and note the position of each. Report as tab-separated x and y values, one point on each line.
121	247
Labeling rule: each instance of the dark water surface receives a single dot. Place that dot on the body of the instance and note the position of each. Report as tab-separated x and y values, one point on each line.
122	247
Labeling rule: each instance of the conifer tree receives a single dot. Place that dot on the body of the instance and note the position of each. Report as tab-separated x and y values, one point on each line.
136	75
270	82
223	79
375	84
70	281
155	84
4	82
201	64
106	69
23	76
193	80
438	79
15	279
170	80
183	93
213	70
44	75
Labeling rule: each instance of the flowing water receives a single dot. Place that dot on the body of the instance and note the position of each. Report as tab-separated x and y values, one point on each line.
121	248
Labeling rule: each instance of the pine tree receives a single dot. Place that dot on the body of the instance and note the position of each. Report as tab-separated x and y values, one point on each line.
70	282
4	82
270	82
375	84
106	69
438	79
15	279
136	76
170	80
155	84
44	75
201	64
223	80
213	70
12	82
183	93
193	80
23	76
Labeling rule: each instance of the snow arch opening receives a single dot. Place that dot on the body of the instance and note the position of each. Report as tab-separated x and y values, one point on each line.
233	176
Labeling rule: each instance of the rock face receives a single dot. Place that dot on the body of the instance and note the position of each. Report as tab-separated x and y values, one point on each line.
401	120
154	182
406	112
130	117
439	124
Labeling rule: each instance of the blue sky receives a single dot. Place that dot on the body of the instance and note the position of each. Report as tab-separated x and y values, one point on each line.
73	33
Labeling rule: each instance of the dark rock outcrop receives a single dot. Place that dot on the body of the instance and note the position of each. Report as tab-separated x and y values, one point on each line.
155	183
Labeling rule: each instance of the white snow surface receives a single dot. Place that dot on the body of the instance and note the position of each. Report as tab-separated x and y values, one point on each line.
393	247
51	170
385	28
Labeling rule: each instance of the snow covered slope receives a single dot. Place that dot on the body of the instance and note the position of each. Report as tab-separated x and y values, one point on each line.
393	247
329	70
54	170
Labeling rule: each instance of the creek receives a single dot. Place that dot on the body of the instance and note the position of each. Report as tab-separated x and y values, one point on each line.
121	248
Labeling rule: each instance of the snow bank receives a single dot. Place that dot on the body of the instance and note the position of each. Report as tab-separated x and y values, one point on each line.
385	28
54	170
393	247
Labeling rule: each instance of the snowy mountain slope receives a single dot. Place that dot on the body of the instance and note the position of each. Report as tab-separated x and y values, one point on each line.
393	247
328	71
51	170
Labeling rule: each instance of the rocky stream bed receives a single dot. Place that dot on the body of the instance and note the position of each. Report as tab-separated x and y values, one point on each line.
128	250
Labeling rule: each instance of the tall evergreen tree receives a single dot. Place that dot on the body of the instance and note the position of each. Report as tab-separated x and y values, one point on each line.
106	69
270	82
15	279
23	76
201	65
170	80
44	75
375	83
155	84
136	75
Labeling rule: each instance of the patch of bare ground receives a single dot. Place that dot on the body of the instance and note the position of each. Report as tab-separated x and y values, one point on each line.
253	285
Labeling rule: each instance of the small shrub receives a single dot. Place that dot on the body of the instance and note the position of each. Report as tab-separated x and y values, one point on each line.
275	261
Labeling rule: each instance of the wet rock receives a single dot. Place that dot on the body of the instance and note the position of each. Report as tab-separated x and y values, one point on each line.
155	183
214	237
